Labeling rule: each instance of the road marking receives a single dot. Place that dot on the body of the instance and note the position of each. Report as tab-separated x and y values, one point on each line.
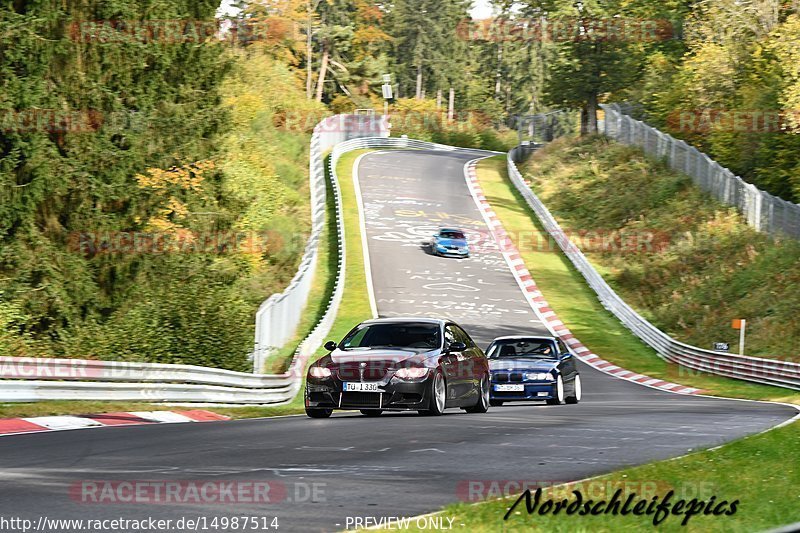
364	244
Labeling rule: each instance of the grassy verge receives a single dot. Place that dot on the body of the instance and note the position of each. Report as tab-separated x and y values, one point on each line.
578	307
765	487
355	304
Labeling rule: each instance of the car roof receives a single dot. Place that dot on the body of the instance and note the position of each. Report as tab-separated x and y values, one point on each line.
450	229
401	319
525	337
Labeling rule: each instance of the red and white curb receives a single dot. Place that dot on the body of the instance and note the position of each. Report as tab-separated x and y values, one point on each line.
539	304
16	426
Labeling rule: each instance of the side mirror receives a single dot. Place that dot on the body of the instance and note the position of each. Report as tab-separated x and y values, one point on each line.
565	355
330	346
456	347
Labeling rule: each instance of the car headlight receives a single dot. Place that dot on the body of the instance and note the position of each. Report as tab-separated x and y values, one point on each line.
538	376
440	246
411	373
319	372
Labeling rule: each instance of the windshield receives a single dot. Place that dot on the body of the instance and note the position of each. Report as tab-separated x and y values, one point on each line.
408	335
534	348
452	235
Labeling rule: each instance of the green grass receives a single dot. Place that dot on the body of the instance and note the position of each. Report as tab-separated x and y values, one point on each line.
355	306
755	470
578	307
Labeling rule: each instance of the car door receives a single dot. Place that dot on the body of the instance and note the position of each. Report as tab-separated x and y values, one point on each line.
474	365
451	364
567	362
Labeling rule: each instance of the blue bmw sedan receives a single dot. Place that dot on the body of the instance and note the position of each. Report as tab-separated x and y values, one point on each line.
525	368
450	243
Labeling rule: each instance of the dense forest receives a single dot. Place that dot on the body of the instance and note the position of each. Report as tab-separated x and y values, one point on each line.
139	118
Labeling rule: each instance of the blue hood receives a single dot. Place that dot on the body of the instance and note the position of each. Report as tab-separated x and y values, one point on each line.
451	242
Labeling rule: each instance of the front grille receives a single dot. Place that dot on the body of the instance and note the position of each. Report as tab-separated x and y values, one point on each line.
372	372
516	376
501	377
508	394
361	399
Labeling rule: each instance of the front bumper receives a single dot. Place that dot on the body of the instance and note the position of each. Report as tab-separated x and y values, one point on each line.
446	252
396	396
532	390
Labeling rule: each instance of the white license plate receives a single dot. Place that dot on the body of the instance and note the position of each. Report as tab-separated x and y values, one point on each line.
361	387
509	388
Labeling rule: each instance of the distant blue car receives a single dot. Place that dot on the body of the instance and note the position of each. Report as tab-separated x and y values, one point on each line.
450	243
525	368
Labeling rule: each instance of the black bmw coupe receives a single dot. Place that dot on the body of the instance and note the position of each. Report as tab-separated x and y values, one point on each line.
400	364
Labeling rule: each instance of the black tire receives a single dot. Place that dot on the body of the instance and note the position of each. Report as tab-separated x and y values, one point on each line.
437	392
559	399
319	413
496	403
482	405
371	412
577	391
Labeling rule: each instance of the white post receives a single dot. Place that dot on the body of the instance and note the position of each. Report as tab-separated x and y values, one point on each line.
741	337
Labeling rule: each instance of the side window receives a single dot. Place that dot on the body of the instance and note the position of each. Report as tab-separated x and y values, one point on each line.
562	348
463	337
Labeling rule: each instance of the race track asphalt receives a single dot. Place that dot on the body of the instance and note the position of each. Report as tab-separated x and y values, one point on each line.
323	471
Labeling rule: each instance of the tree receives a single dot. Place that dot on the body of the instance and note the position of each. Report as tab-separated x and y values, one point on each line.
427	52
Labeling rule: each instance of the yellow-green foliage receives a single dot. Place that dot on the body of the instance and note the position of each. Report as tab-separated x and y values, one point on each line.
419	119
265	167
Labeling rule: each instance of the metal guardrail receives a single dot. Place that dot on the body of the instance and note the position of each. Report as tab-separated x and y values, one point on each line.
763	211
759	370
35	379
